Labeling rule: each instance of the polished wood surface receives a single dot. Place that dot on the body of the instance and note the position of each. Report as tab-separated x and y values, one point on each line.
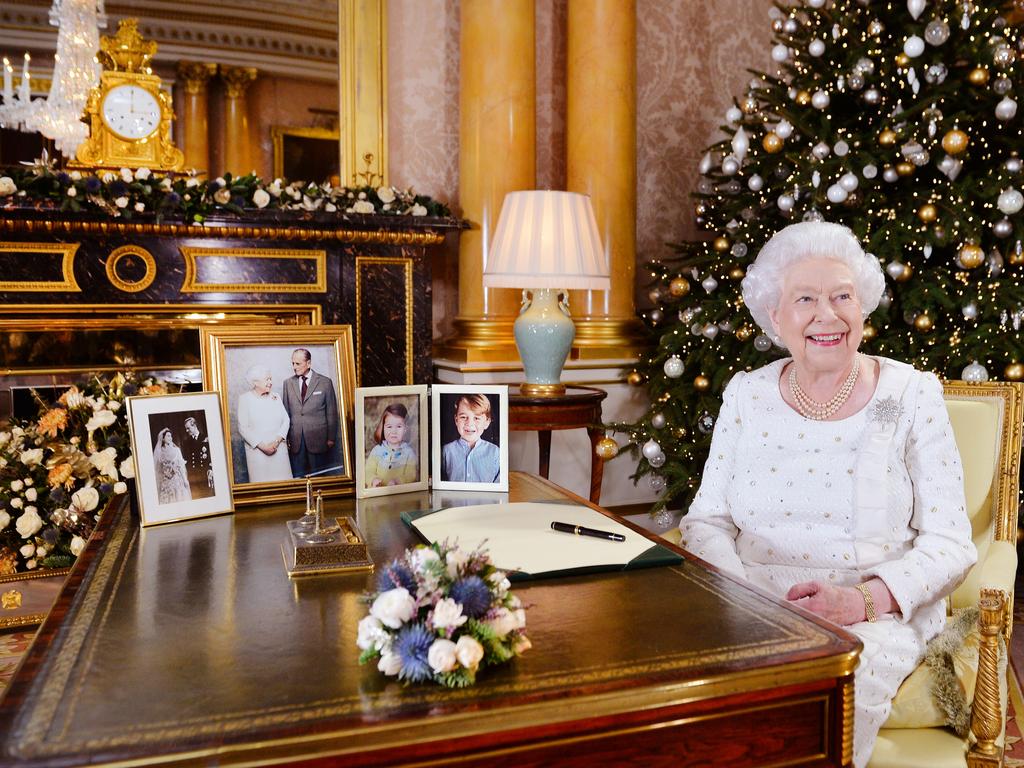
579	407
188	643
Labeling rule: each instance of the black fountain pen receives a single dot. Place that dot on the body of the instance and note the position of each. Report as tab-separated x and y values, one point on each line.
579	530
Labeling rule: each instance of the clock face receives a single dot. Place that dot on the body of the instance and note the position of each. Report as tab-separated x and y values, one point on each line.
131	112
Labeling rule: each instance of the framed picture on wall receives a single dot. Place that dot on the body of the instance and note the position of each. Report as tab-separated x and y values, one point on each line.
181	466
391	440
306	154
287	401
469	437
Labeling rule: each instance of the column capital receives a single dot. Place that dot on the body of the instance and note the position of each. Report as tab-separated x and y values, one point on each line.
195	75
237	79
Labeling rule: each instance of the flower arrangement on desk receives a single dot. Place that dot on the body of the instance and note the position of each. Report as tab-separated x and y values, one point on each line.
442	614
131	192
57	472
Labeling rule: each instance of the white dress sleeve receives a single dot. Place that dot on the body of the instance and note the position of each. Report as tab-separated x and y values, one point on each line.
708	528
942	551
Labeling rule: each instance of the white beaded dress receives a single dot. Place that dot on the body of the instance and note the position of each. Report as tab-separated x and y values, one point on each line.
785	499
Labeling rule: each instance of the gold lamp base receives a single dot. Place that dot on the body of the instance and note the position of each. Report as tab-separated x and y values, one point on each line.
541	390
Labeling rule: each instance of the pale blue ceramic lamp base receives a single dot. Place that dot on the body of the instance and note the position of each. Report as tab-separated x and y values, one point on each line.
544	333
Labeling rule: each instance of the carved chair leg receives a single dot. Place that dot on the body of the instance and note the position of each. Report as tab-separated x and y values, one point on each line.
986	713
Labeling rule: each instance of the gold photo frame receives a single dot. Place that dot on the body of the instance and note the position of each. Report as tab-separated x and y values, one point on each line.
276	434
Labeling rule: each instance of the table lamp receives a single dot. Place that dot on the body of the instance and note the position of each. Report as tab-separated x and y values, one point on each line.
545	243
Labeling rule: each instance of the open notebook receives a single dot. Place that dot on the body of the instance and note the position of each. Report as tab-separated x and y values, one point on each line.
519	538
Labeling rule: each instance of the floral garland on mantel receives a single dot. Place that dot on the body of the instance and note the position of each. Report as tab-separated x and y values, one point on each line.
129	193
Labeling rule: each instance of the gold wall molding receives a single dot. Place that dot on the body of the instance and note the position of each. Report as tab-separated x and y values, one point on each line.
126	251
193	283
67	253
365	261
362	82
357	236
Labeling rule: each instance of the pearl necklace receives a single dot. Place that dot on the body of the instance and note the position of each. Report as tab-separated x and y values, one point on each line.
812	409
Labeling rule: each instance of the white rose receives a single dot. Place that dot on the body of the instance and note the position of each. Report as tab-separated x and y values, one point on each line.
121	202
330	207
456	560
105	462
86	499
261	198
7	186
17	485
32	457
17	503
76	176
100	419
504	621
469	652
386	194
114	405
371	634
31	564
5	519
448	614
166	184
126	174
191	182
394	607
275	188
107	177
419	210
31	494
28	550
390	664
363	206
142	174
120	487
29	524
441	656
222	196
77	545
127	468
140	207
72	192
423	557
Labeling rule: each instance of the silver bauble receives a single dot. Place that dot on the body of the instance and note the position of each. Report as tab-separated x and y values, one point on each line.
841	148
651	448
786	203
890	175
706	423
658	421
710	330
849	181
885	300
869	171
813	215
935	74
895	269
730	165
1006	109
994	260
696	329
705	186
864	65
673	367
686	316
836	194
1003	56
784	129
1010	201
875	28
780	53
658	484
820	150
1002	85
762	343
820	100
790	26
913	47
1002	228
816	47
657	460
739	250
656	316
872	96
709	283
975	372
970	310
1013	165
663	518
654	296
755	183
733	115
937	32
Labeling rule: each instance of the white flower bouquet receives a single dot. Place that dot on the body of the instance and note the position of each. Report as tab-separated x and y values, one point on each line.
442	614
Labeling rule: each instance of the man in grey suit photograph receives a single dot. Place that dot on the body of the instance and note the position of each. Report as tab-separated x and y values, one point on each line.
312	407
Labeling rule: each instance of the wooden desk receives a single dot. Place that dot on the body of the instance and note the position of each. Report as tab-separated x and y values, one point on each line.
187	642
579	407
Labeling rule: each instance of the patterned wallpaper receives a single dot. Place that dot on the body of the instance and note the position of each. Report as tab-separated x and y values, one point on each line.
692	58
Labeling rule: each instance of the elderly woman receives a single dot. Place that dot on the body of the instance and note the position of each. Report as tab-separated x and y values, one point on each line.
263	424
833	479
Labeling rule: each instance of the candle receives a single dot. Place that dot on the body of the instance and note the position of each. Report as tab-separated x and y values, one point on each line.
8	81
25	92
309	496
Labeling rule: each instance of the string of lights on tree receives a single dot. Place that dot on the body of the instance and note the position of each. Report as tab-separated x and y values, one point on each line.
898	119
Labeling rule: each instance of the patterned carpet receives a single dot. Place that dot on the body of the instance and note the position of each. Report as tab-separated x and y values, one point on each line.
12	647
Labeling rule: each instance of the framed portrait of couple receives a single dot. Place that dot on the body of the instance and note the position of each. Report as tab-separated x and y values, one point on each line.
286	397
467	434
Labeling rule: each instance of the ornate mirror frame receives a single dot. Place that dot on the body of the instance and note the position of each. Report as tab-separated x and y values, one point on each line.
362	81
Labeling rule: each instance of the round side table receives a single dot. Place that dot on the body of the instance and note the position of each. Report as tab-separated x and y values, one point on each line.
578	408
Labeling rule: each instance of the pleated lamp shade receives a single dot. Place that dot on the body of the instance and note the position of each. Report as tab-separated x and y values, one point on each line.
546	239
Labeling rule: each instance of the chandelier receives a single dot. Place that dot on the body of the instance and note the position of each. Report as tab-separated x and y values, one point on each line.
75	72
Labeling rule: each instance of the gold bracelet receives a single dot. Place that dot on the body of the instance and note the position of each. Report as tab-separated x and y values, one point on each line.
869	602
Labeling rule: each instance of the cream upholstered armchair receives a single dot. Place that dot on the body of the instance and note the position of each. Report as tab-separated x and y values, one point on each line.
986	422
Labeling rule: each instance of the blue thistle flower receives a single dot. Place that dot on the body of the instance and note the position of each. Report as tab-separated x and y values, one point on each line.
118	188
50	536
105	488
64	179
412	644
473	594
93	185
396	575
58	495
238	201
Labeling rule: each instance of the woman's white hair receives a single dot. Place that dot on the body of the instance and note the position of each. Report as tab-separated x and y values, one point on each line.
762	287
256	372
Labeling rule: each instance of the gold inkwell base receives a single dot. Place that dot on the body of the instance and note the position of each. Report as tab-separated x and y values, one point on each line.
343	551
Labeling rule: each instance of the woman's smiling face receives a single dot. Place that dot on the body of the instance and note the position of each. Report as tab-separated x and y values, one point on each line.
819	315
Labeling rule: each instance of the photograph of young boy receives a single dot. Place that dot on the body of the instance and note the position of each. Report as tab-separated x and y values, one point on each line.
471	458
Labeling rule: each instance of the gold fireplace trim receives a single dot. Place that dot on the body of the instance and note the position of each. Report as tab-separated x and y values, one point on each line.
126	285
67	252
194	285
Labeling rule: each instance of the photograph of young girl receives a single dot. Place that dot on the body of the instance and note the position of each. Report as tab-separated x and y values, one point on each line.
392	440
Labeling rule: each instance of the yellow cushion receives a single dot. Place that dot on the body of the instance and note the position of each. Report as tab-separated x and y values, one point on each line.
976	429
916	747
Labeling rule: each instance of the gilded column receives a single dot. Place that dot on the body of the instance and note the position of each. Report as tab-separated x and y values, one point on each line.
195	77
601	162
497	149
237	149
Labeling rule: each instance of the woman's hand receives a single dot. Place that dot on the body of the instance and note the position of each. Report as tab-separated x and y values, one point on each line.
840	605
270	447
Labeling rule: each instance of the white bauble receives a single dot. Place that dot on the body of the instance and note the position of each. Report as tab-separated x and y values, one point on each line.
657	461
673	367
711	330
780	53
913	47
841	148
820	100
733	114
709	283
705	163
895	269
890	175
916	7
784	129
1006	109
849	181
970	310
816	3
820	150
836	194
786	203
755	183
975	372
1010	201
740	144
869	171
762	343
730	165
816	47
651	449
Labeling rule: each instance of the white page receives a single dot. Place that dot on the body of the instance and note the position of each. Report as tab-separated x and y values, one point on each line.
519	535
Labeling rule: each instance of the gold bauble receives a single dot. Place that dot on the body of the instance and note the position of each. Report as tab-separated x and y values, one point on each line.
978	76
1014	372
744	332
721	244
635	378
679	287
972	256
904	168
749	105
902	60
927	213
736	273
905	275
606	448
680	432
955	141
772	143
1015	259
923	322
887	137
803	98
869	332
701	383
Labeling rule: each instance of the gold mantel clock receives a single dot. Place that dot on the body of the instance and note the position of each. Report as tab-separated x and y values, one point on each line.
129	114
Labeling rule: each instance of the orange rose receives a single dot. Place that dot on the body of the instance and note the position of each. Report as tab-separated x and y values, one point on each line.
54	420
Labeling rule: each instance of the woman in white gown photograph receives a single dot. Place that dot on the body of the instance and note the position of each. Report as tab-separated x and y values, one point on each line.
171	470
263	424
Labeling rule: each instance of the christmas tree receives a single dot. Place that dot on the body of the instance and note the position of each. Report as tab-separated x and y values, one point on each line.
896	119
